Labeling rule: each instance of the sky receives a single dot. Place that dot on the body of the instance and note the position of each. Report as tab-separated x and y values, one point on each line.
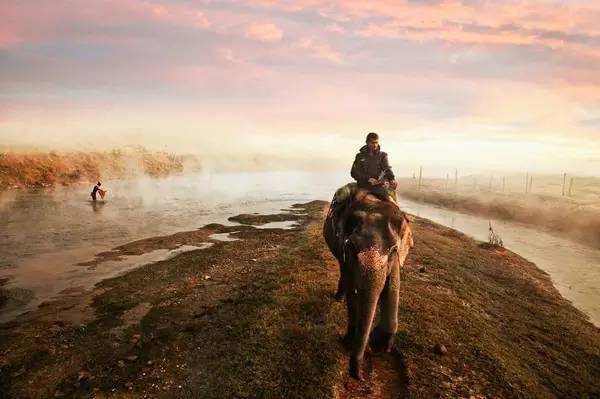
475	85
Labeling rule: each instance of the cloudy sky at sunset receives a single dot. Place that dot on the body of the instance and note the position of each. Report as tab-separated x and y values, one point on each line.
472	84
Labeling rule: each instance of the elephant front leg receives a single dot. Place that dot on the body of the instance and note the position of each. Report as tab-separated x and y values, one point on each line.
341	288
384	334
351	306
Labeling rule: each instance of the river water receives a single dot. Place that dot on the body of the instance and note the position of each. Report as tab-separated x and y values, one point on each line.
44	233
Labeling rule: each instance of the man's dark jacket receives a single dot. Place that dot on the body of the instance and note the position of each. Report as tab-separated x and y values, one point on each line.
367	165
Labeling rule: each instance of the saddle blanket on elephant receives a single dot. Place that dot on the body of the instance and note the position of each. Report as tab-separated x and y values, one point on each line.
347	191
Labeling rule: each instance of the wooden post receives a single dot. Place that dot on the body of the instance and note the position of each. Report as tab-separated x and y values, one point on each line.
526	182
456	179
530	182
420	176
564	182
570	186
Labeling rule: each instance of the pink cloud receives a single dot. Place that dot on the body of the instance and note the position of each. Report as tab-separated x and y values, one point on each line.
446	20
264	32
320	49
228	54
24	22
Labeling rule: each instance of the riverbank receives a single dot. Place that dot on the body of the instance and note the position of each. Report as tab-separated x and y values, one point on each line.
47	169
563	217
255	318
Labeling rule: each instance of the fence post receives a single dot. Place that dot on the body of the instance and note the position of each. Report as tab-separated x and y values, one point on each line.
456	178
570	186
530	183
420	176
564	182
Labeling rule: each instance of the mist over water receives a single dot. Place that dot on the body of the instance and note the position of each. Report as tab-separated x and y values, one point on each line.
46	232
39	222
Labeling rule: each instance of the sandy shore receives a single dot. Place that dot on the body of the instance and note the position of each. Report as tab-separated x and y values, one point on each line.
255	317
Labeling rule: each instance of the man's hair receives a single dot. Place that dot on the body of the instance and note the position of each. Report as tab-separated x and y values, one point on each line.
372	136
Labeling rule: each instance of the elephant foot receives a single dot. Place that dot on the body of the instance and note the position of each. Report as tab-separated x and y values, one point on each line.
347	340
389	347
380	341
355	368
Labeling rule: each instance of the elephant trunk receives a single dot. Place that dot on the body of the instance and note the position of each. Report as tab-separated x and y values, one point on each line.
373	272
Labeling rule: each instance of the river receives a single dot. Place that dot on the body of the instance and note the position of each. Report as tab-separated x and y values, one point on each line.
46	232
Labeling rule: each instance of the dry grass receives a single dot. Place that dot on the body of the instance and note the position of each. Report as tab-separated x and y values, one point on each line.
37	169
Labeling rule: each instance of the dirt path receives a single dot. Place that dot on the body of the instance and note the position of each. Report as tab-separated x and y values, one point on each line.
256	318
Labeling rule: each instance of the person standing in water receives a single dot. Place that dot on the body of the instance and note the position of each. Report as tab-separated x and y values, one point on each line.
95	190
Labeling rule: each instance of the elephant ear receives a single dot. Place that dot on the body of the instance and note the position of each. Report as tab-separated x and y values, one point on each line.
405	242
398	225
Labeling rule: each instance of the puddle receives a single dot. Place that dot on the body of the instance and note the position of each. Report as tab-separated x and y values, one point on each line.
186	248
226	237
74	277
285	225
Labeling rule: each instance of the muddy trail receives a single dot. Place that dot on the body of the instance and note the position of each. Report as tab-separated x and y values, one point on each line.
255	317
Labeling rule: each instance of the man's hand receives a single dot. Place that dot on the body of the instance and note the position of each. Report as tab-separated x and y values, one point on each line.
373	181
394	184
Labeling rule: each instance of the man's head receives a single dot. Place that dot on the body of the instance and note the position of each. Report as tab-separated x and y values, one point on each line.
373	141
99	183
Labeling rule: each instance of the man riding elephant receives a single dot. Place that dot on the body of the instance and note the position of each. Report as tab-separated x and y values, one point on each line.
370	237
376	241
372	171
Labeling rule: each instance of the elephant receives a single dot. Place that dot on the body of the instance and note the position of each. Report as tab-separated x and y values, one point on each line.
371	239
